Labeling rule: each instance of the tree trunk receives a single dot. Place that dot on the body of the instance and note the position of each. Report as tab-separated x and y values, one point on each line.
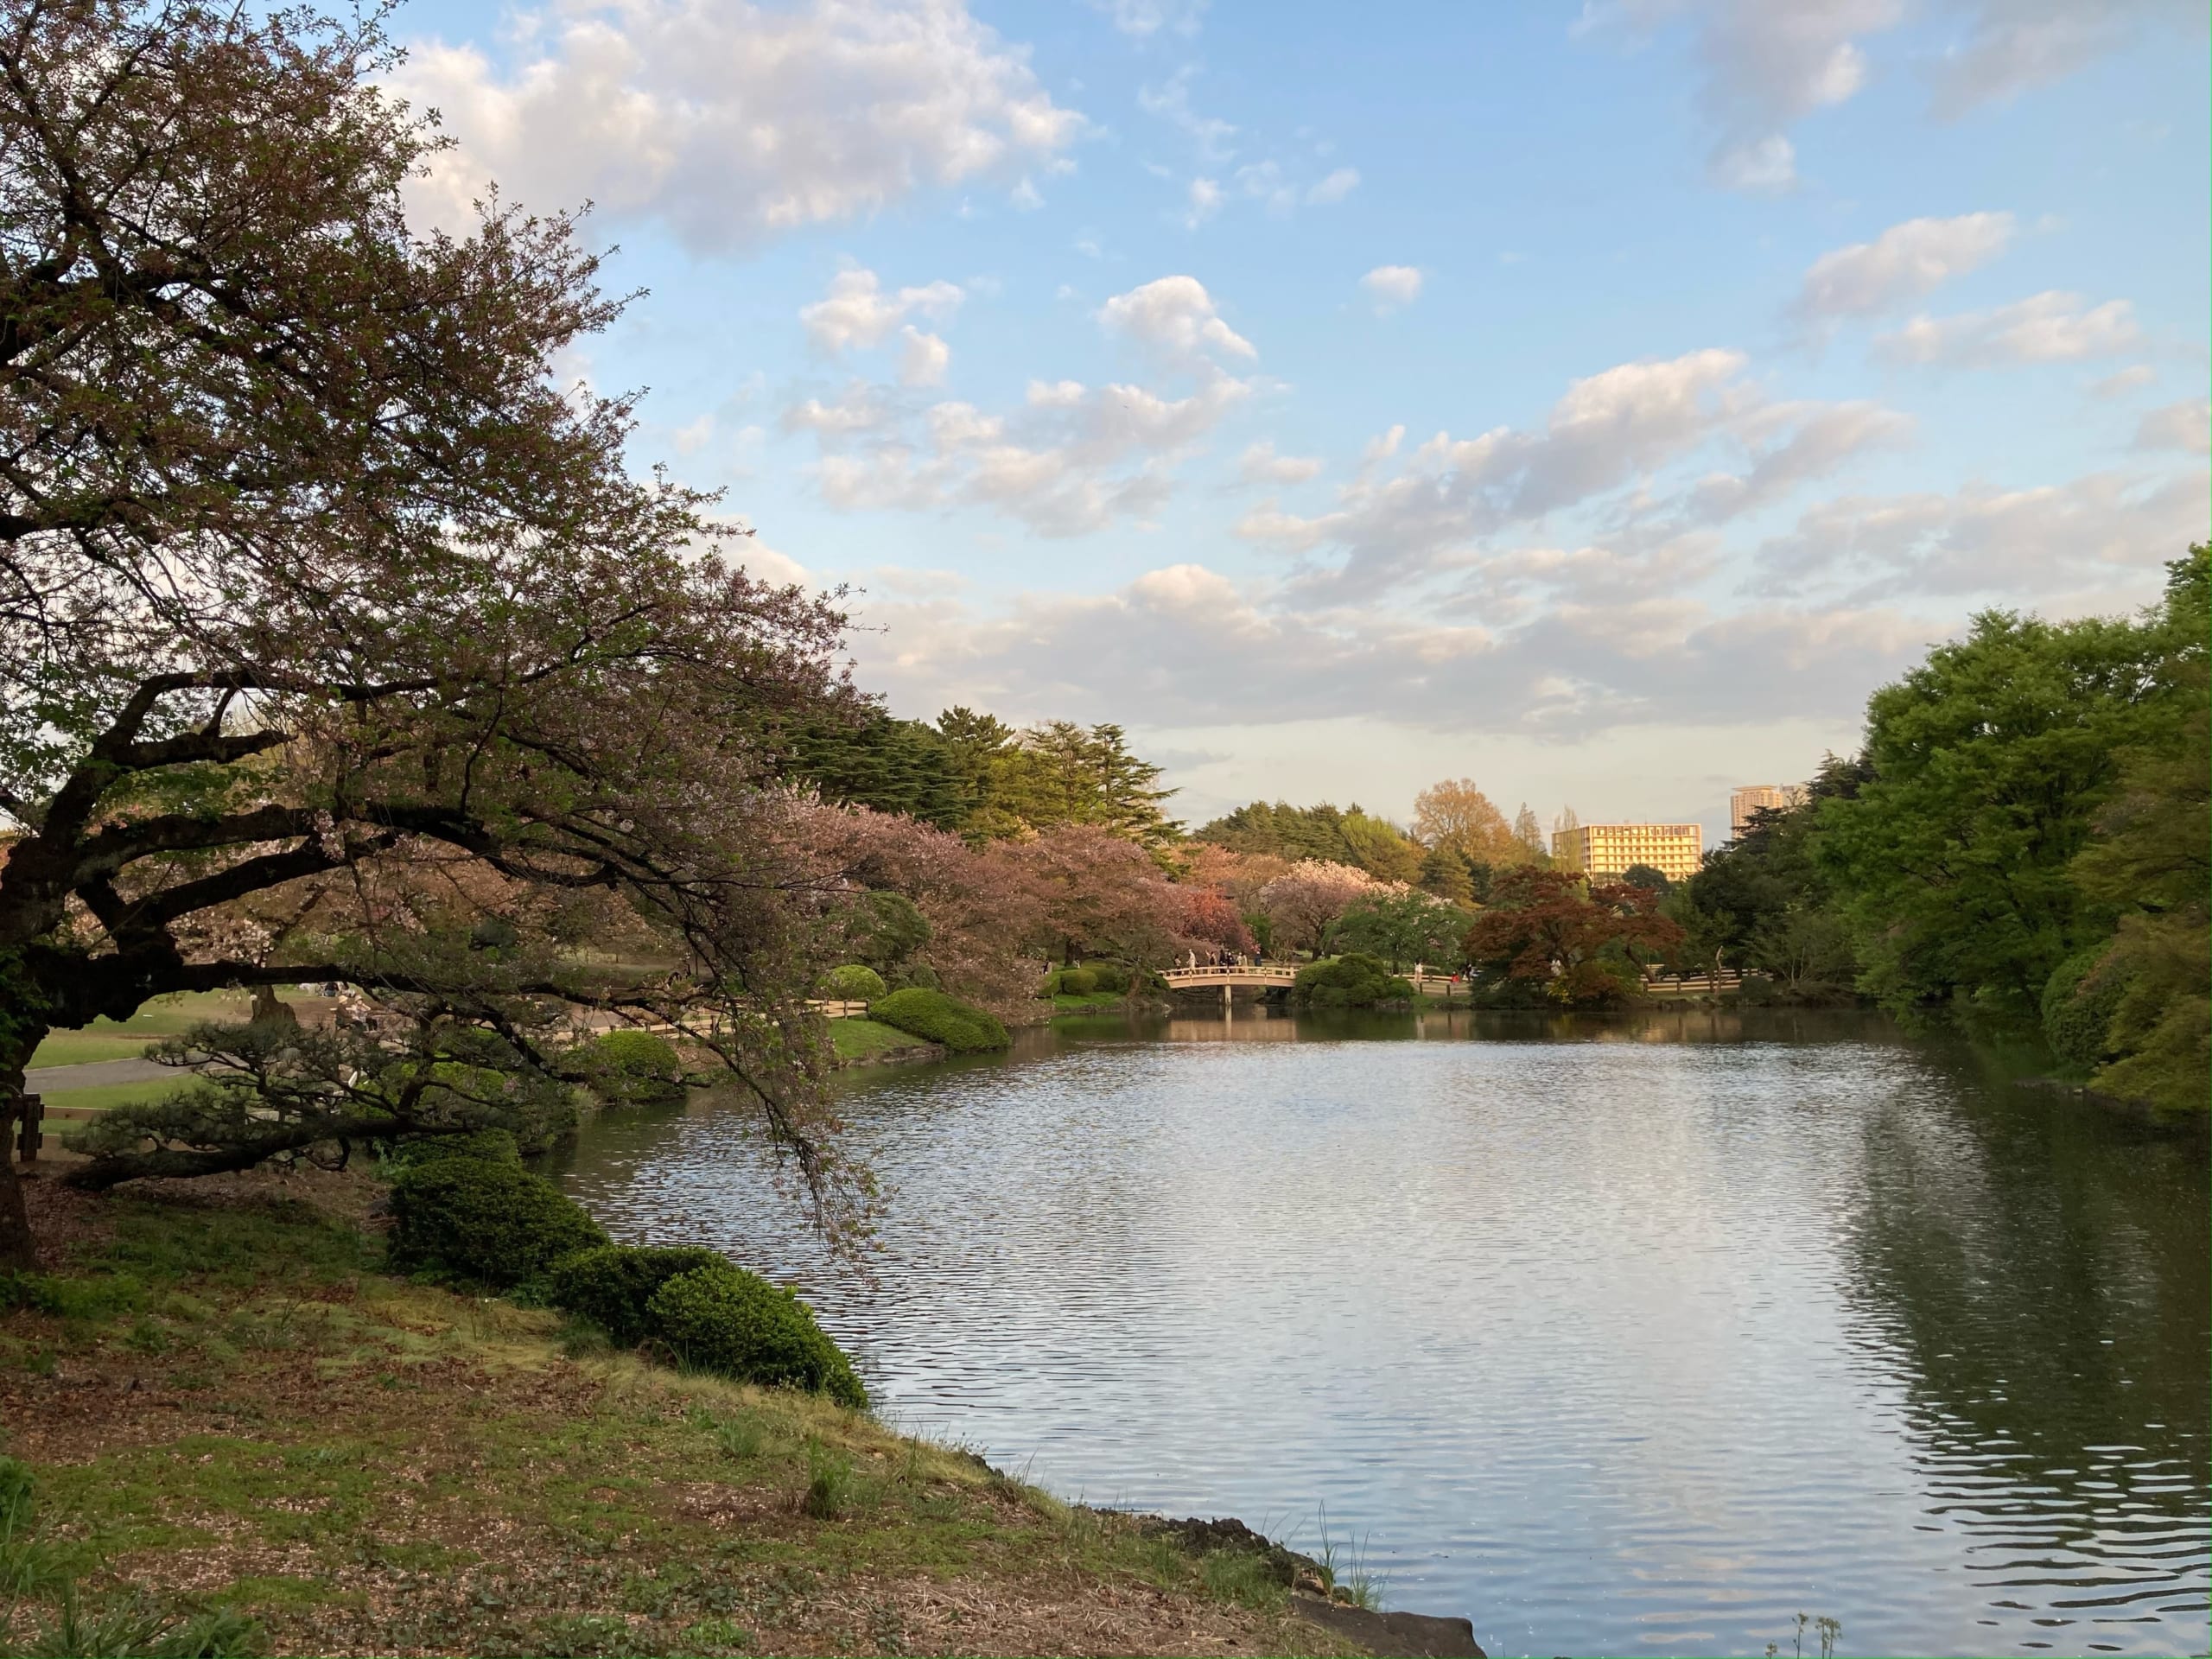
18	1249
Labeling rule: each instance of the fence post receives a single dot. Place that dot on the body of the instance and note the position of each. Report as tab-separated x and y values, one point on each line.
28	1134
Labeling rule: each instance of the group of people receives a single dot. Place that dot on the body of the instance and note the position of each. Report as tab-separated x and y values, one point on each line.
1217	959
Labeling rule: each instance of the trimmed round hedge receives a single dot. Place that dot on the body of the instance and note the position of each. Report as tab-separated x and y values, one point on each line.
937	1017
723	1319
496	1224
613	1283
854	982
632	1068
1077	982
1354	979
483	1146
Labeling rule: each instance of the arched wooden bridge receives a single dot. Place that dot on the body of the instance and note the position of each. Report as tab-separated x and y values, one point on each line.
1275	976
1278	975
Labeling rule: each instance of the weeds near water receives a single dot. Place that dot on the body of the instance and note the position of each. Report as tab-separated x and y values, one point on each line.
1825	1629
1358	1583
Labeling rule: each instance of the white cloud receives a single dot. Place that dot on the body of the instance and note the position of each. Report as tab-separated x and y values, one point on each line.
1145	18
2185	426
1071	459
858	313
689	440
1904	263
1766	64
1205	201
1176	315
1433	517
2015	46
1813	441
2120	383
1391	286
1756	164
2049	327
1171	102
1260	464
924	360
2090	544
1334	188
730	122
1187	645
858	409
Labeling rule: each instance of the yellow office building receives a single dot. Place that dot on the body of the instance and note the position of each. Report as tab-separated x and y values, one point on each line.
1605	850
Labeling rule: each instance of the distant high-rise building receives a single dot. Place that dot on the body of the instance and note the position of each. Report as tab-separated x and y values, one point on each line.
1751	796
1608	850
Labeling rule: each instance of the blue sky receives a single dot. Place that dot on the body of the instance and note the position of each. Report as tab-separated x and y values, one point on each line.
1599	403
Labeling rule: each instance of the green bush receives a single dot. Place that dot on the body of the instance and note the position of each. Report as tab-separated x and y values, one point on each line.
492	1223
937	1018
1109	976
1354	979
613	1283
632	1068
1077	982
485	1146
854	982
2079	1000
723	1319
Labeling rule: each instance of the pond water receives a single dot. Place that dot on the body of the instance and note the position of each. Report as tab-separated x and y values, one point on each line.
1617	1335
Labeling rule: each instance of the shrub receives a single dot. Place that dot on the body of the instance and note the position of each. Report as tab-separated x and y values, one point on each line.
1354	979
484	1146
492	1223
854	982
2079	1000
632	1068
721	1318
612	1284
1109	976
935	1017
1077	982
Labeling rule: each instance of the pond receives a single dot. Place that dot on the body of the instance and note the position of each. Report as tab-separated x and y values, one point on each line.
1630	1335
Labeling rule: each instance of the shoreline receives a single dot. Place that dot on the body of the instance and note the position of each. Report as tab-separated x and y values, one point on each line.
228	1405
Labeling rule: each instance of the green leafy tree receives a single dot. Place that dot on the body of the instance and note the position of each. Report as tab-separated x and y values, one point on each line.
1348	836
1402	926
2150	862
1990	765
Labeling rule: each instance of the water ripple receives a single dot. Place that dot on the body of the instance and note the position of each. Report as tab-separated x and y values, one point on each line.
1642	1341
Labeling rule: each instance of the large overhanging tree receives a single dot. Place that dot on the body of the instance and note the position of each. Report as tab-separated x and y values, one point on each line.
337	642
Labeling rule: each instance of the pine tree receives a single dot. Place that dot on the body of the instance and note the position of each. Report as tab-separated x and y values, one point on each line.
1444	874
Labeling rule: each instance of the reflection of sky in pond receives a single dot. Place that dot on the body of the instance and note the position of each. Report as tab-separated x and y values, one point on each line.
1641	1343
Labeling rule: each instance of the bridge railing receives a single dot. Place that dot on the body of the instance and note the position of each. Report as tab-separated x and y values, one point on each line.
1264	973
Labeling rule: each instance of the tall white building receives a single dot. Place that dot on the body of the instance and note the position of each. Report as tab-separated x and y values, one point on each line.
1751	796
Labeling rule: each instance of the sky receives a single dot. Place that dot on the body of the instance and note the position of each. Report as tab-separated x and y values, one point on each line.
1597	403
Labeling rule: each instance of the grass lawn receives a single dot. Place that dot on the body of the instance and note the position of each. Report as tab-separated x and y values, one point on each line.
228	1406
107	1095
858	1039
1085	1002
110	1040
